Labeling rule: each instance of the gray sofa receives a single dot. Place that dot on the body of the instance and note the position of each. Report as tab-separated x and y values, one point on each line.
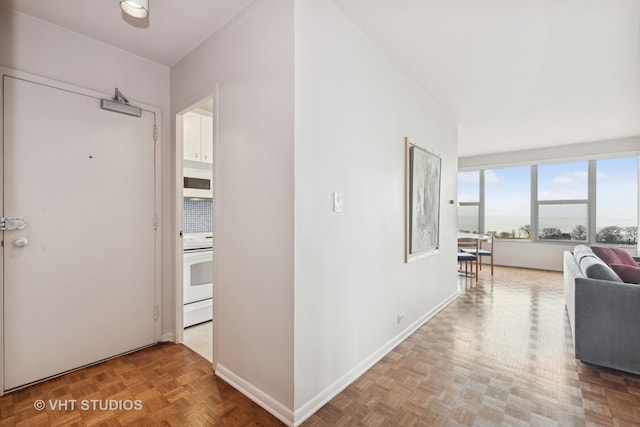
604	312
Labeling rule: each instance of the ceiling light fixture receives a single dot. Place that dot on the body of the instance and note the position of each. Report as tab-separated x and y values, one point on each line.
135	8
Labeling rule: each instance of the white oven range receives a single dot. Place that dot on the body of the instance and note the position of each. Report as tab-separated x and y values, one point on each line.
197	278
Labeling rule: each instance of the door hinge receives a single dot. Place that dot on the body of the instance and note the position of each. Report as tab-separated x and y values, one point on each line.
155	312
155	133
155	222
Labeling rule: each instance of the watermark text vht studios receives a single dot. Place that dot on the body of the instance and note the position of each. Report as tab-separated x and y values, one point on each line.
88	405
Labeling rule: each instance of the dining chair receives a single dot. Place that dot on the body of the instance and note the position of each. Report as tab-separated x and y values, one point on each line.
471	247
466	258
484	249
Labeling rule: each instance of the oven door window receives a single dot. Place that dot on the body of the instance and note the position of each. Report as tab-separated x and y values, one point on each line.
201	273
198	276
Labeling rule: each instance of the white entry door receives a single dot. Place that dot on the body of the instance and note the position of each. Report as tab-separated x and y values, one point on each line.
79	279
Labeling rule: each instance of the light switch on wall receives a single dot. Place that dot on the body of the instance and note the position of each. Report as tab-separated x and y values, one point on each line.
337	202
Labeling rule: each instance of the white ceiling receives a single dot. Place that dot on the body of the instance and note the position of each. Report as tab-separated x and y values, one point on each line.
515	74
172	29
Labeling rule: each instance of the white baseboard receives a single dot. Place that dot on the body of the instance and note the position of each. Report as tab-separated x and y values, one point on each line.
167	337
267	402
330	392
294	419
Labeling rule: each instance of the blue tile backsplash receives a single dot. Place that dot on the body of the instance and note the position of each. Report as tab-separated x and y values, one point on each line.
197	216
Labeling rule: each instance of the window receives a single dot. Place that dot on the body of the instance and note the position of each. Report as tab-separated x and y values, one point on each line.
562	221
469	199
592	201
563	181
508	202
563	201
617	201
468	218
469	187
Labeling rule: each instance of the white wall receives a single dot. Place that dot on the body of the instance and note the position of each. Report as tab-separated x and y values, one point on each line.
251	62
30	45
525	254
540	256
353	108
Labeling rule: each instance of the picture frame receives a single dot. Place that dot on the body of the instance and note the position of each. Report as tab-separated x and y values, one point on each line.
422	201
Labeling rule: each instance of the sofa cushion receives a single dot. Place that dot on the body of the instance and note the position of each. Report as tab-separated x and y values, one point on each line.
614	255
594	268
628	273
580	251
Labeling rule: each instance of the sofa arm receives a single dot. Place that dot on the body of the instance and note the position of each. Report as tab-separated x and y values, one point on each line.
607	316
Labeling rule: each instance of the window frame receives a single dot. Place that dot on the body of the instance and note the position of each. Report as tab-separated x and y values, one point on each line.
590	202
483	198
480	202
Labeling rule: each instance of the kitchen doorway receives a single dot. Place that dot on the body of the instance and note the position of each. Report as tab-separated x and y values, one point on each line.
196	203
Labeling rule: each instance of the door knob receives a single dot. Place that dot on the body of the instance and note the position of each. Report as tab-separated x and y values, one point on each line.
20	242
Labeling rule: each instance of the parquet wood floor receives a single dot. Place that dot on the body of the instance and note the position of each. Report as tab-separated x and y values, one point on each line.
499	355
174	385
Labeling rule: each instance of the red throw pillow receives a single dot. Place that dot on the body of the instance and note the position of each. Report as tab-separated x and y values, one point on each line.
614	256
628	273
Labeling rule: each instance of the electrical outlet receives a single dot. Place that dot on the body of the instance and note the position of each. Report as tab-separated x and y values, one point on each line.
400	317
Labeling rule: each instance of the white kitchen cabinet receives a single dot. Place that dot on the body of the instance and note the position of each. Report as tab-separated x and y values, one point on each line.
197	141
191	136
206	147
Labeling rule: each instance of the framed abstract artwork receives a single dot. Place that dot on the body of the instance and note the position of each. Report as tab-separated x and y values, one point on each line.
422	201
